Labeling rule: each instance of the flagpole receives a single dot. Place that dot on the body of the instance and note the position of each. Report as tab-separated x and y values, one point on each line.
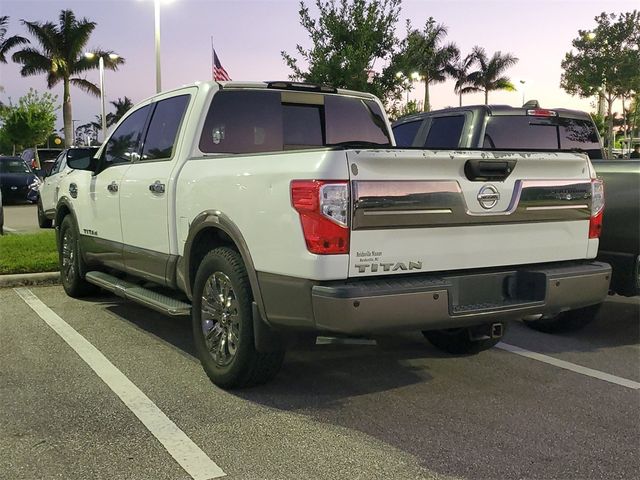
213	52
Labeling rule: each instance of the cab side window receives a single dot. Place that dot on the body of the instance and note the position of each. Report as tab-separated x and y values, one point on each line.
405	133
124	144
445	132
163	128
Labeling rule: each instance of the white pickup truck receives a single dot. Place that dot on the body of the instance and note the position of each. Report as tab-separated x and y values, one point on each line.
265	209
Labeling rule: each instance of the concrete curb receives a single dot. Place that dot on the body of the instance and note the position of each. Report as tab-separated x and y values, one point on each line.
22	279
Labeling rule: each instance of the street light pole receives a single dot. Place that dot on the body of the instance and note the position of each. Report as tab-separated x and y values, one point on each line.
102	95
522	82
103	113
156	9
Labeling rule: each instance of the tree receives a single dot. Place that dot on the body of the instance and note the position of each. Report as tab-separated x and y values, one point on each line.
459	71
605	61
122	106
31	121
424	52
7	43
348	38
490	73
61	58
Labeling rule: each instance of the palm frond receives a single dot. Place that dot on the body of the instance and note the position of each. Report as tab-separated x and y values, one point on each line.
45	34
33	61
9	43
86	85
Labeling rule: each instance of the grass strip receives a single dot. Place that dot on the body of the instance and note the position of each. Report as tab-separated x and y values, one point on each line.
28	253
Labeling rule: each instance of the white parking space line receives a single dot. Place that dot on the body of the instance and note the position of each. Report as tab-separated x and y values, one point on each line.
190	457
570	366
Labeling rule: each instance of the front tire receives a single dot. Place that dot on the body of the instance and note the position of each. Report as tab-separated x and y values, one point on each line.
460	341
72	266
43	221
222	324
569	321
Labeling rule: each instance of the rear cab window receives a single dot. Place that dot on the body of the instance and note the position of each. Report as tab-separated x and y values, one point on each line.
519	132
526	132
253	121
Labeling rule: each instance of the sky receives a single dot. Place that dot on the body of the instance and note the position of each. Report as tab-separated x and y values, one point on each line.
250	34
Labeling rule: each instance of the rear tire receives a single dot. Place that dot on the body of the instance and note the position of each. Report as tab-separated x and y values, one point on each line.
458	341
222	324
569	321
72	266
43	221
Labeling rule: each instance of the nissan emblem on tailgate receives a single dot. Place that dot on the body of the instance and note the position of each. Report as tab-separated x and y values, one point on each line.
488	196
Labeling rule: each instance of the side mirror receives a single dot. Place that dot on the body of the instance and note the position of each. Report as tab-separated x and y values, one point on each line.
82	163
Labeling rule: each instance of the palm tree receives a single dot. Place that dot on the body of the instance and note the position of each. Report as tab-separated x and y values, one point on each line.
8	43
424	53
122	106
459	71
490	74
61	58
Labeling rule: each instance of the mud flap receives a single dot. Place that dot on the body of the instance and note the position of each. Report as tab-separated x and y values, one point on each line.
265	339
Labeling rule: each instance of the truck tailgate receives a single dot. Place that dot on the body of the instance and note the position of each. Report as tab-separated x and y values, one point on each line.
419	211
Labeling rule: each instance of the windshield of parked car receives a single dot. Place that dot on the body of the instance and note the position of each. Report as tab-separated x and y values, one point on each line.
14	166
251	121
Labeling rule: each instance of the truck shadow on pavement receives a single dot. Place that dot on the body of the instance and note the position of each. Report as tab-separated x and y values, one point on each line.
617	324
324	373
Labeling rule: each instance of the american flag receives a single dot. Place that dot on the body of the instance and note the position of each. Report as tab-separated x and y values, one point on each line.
219	73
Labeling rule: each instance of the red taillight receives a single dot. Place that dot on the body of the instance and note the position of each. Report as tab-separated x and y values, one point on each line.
597	208
323	207
595	225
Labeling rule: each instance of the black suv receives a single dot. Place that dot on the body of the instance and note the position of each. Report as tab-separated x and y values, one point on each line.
501	127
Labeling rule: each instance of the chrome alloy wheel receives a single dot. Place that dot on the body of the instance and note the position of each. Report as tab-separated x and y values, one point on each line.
68	257
220	318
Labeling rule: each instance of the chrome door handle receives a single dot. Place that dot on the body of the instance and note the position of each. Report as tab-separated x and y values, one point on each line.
113	187
156	187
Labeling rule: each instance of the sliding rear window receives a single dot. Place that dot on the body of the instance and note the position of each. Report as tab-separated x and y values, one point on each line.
251	121
521	133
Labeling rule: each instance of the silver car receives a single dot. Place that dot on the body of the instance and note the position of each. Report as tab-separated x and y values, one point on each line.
48	189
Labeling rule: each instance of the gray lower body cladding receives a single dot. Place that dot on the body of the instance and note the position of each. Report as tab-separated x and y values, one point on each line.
432	301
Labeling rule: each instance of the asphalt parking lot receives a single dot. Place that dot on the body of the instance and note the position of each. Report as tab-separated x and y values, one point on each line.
105	389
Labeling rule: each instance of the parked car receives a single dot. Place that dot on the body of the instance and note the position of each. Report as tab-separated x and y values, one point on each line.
47	157
48	189
532	128
15	178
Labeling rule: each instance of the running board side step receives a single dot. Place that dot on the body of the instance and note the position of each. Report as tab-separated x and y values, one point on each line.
136	293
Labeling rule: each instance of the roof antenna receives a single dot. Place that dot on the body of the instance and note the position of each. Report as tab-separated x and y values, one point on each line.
531	104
